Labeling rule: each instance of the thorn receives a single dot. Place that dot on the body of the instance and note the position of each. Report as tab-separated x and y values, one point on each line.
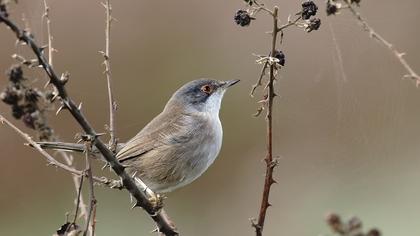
99	135
155	230
79	107
47	83
269	204
136	205
55	94
42	48
59	109
105	166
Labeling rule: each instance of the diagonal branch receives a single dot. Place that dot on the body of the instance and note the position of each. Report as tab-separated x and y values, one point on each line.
128	182
399	55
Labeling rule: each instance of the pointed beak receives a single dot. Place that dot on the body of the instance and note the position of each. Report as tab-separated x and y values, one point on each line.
230	83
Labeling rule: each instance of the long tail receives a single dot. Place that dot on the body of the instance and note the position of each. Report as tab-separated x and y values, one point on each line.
73	147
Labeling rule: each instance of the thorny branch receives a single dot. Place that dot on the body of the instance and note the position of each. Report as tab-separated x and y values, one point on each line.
269	157
112	103
164	225
273	62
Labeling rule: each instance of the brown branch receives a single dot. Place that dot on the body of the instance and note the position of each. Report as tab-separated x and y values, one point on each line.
399	55
128	182
259	226
107	63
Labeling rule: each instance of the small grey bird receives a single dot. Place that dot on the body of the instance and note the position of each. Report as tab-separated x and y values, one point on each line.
179	144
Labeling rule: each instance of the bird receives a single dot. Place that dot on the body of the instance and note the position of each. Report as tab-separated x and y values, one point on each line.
179	144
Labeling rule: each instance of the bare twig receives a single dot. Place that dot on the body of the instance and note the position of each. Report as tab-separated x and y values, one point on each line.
91	219
259	81
399	55
107	63
259	226
265	66
128	182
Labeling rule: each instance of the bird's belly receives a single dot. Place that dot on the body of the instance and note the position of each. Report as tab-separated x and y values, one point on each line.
190	161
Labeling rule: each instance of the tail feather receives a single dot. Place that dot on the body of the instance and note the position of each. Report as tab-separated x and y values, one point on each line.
73	147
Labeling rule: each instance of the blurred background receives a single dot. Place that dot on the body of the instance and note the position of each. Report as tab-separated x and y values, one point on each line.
346	131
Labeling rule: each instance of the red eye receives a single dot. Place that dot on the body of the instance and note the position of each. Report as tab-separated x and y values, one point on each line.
207	89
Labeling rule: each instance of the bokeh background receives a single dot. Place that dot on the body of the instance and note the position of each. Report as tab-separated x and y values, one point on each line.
346	130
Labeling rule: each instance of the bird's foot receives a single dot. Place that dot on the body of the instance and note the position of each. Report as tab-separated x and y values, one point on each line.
154	198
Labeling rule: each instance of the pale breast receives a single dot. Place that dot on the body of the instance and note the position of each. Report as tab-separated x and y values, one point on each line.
204	150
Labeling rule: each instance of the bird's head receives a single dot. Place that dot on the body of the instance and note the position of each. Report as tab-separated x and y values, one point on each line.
202	95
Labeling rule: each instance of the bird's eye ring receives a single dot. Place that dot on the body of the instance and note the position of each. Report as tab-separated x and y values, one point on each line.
207	89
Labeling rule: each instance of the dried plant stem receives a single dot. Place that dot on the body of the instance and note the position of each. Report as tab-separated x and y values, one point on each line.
107	63
399	55
128	182
269	156
91	219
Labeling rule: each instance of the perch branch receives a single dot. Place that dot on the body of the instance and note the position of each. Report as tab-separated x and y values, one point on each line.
399	55
128	182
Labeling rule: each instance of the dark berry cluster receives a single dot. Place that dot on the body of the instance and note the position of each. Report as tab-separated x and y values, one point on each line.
332	8
249	2
3	9
313	24
280	56
243	18
24	102
309	8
